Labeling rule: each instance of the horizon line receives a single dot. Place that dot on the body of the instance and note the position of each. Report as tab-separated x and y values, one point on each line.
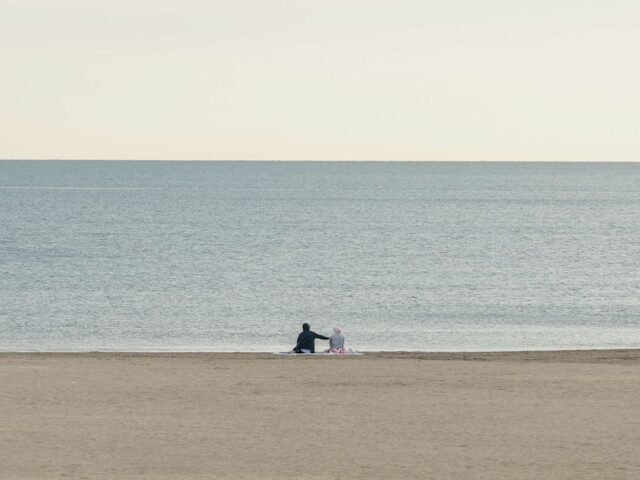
301	160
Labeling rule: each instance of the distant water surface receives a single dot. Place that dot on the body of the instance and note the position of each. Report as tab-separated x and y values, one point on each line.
235	255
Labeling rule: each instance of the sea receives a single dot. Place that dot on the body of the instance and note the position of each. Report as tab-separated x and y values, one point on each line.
235	256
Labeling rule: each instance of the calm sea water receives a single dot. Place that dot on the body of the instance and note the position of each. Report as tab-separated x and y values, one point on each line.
235	255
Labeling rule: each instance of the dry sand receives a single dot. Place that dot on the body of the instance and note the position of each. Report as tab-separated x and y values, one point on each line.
534	415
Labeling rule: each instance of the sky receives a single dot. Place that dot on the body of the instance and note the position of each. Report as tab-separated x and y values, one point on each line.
544	80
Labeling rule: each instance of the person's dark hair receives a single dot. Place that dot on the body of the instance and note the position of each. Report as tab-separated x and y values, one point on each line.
306	327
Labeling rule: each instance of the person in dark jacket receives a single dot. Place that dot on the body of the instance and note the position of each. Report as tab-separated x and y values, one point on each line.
306	340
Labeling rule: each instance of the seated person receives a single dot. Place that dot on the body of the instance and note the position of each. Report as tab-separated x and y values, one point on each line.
336	341
306	340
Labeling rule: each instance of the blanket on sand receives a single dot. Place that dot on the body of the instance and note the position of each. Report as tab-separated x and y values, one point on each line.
330	354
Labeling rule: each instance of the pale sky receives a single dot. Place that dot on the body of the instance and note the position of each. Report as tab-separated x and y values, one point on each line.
320	79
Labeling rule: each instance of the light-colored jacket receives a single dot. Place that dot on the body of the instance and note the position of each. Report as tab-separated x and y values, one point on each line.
336	341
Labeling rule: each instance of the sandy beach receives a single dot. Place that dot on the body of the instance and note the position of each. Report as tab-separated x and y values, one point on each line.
520	415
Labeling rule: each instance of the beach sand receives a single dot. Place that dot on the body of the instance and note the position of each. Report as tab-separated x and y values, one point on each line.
527	415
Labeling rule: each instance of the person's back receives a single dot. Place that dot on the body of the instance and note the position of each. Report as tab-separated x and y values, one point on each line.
336	341
306	340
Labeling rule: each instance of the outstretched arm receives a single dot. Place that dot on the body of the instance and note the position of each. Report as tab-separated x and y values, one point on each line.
321	337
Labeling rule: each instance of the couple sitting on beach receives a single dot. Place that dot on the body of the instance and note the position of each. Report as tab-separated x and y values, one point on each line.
306	341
